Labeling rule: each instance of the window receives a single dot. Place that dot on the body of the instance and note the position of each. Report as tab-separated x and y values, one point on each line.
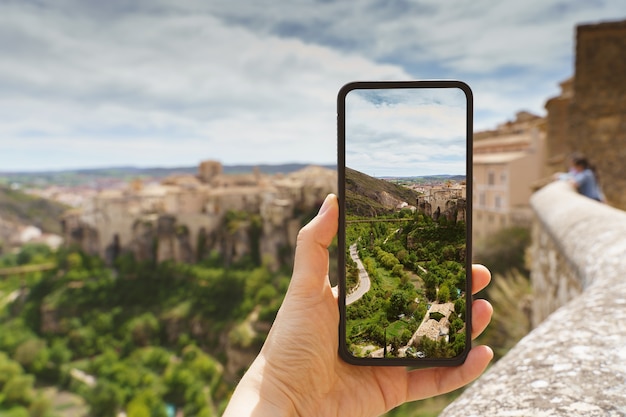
498	202
482	200
491	178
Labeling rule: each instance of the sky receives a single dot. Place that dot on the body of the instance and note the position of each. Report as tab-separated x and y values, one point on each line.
404	132
91	83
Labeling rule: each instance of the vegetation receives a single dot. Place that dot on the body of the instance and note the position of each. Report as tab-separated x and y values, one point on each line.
363	194
412	261
411	265
137	337
21	208
504	250
149	338
504	253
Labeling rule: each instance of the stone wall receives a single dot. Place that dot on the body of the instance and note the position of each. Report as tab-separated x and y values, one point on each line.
184	218
589	115
596	124
555	280
574	362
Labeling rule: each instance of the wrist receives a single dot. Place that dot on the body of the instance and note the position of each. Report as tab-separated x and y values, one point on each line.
257	395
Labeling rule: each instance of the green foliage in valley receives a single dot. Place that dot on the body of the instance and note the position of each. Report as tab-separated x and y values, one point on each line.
413	261
137	337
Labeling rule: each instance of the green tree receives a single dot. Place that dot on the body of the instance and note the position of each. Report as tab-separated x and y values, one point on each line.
40	407
397	304
18	390
33	253
33	355
444	294
398	271
105	400
459	307
147	403
504	251
143	329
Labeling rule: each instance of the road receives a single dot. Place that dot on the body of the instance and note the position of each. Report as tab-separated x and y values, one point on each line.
364	283
24	269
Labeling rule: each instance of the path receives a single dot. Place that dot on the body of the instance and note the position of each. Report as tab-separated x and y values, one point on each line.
24	269
364	283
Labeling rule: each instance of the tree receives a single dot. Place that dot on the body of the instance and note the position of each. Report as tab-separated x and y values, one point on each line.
33	253
398	271
504	251
444	294
143	329
33	355
19	390
397	304
40	407
105	400
459	307
146	403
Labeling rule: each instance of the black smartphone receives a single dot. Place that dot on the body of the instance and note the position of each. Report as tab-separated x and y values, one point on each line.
404	239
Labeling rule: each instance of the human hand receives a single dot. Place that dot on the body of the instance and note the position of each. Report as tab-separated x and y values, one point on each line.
298	371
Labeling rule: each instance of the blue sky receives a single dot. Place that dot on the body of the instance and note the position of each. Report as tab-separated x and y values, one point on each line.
406	132
171	83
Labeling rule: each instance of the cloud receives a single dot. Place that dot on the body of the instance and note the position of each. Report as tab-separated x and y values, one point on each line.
161	82
406	132
189	82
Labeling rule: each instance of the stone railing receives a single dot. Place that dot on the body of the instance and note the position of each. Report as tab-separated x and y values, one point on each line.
574	362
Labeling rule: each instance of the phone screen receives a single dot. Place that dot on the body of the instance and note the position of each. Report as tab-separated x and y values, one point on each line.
404	236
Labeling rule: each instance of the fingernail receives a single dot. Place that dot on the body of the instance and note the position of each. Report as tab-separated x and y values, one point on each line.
326	204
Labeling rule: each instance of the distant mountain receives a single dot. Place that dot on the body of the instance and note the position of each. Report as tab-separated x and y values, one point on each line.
369	196
19	208
79	177
432	178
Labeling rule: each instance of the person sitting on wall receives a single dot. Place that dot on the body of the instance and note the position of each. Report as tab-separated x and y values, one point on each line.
583	178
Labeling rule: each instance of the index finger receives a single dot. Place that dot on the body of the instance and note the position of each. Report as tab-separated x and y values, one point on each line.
480	277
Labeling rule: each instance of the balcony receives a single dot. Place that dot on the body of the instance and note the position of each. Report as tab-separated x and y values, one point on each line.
574	361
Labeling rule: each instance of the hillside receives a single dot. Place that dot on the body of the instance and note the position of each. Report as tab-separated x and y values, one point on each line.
19	208
369	196
79	177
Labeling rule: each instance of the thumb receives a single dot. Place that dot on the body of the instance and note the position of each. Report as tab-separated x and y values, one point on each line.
310	269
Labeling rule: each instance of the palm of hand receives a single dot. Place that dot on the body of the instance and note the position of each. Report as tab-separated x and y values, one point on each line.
299	372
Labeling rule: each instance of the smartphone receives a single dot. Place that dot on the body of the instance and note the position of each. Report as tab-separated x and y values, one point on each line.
404	238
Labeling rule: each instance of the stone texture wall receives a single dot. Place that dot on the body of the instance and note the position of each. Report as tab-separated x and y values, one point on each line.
597	112
574	362
557	144
555	280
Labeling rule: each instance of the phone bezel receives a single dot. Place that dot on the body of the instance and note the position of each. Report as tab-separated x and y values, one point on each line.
344	352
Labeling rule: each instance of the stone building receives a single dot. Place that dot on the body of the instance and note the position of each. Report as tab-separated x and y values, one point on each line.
438	201
589	115
186	217
507	162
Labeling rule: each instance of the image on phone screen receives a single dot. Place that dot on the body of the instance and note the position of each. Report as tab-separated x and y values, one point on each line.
405	222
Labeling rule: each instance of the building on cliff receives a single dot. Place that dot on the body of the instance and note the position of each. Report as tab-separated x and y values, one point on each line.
507	162
589	115
185	217
444	200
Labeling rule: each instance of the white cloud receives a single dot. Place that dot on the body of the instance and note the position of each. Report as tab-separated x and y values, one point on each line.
254	81
406	132
185	83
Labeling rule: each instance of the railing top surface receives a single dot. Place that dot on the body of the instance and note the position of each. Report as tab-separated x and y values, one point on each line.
590	234
574	363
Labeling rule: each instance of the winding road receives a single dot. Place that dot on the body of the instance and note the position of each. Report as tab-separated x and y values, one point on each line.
364	283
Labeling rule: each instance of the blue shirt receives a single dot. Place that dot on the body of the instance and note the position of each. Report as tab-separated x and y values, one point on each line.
587	184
